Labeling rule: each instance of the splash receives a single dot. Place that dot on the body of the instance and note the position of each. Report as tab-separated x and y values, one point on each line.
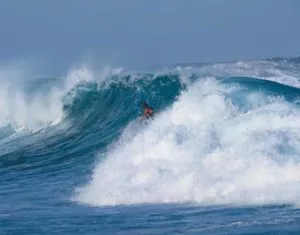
33	103
205	149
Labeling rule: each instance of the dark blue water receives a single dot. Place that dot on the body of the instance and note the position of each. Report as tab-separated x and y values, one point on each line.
221	155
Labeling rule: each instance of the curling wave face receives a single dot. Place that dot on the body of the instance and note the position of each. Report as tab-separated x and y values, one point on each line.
229	141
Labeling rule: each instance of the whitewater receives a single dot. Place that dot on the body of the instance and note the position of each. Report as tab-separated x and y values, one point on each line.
220	156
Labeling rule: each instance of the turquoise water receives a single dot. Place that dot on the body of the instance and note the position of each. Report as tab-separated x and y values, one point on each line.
221	156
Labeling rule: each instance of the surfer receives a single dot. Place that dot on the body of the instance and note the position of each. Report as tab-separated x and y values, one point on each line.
148	111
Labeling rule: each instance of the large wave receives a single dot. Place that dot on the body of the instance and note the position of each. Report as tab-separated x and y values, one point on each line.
224	133
225	140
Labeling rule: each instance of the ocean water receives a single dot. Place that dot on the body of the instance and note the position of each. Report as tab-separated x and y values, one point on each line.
221	155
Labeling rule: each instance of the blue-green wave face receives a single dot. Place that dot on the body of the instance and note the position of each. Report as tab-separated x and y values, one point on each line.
222	134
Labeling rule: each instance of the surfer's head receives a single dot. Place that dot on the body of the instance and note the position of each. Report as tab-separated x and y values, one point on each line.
145	105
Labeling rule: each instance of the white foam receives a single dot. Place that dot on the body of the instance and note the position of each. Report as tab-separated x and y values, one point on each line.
203	150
